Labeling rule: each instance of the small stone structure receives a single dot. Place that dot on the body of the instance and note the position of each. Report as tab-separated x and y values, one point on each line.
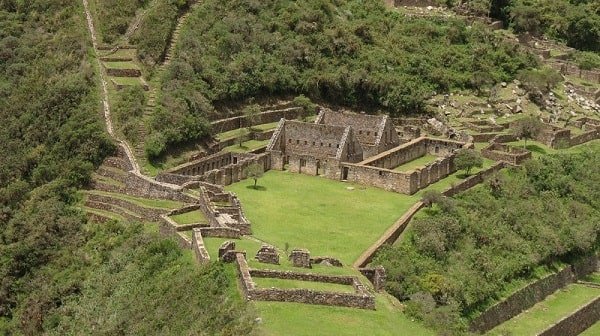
330	261
361	298
376	133
313	149
503	152
300	258
227	251
376	275
268	255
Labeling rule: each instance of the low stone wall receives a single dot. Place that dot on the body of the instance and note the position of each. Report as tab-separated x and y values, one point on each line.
502	152
502	138
183	210
291	275
113	208
376	275
474	180
200	251
309	296
361	299
151	214
585	137
123	72
533	293
576	323
220	232
483	137
266	117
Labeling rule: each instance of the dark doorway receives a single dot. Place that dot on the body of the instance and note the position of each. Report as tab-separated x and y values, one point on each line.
318	166
344	173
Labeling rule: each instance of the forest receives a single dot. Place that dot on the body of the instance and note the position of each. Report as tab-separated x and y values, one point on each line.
347	52
59	274
466	251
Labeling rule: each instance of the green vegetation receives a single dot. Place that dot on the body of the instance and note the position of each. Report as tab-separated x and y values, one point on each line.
191	217
319	286
547	312
467	159
114	16
456	260
132	282
350	52
319	214
592	331
416	163
155	30
121	65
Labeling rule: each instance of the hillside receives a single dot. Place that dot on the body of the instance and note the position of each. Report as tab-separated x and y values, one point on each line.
322	167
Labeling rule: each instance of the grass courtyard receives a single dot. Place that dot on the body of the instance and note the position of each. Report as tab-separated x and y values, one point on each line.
327	217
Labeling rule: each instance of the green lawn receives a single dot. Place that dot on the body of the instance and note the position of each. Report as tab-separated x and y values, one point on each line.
145	202
416	163
319	214
547	312
121	65
592	331
246	146
297	319
126	80
319	286
191	217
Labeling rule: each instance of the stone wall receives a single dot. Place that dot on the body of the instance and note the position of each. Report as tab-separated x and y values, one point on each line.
483	137
266	117
200	251
474	180
151	214
376	275
576	323
123	72
502	152
360	299
223	168
220	232
571	69
414	3
528	296
585	137
401	182
291	275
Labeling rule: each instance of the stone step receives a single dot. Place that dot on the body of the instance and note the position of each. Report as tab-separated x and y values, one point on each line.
101	216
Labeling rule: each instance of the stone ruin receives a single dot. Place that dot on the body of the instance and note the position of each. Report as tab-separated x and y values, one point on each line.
268	255
300	258
376	275
327	261
227	251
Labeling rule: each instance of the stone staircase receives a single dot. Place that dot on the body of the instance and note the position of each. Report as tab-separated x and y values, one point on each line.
154	90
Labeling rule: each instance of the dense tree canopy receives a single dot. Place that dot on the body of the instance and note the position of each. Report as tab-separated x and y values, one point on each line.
464	256
58	274
355	53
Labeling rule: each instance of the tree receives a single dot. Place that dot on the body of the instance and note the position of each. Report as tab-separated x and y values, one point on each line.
543	80
251	113
527	128
255	171
308	107
430	197
467	159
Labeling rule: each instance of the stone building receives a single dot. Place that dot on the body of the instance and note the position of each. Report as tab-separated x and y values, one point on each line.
313	149
376	133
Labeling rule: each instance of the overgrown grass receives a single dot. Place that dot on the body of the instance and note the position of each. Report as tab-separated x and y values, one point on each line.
592	331
121	65
319	214
552	309
191	217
